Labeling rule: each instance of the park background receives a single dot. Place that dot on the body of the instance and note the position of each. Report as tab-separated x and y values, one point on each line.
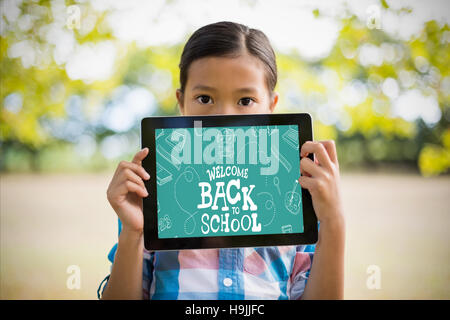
77	77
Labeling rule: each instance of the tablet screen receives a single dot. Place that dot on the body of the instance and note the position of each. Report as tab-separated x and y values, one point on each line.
228	181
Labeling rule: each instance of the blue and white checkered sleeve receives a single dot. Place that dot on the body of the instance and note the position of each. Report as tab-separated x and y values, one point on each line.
147	273
300	273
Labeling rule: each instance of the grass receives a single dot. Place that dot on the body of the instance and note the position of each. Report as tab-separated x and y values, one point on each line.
48	222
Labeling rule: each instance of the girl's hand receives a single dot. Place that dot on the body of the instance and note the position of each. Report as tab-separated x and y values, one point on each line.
126	190
321	178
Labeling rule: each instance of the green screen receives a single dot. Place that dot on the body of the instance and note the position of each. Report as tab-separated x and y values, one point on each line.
226	181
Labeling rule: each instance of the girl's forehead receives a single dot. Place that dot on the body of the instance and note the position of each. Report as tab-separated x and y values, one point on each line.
225	72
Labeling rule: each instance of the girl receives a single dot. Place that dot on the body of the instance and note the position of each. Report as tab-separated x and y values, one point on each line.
227	68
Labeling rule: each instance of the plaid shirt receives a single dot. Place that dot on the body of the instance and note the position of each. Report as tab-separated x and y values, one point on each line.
230	274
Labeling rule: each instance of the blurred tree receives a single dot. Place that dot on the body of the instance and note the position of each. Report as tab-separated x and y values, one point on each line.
385	100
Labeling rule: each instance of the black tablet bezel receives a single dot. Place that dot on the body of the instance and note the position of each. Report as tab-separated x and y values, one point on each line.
151	240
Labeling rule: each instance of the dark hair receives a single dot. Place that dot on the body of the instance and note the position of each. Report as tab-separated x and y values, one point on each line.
228	39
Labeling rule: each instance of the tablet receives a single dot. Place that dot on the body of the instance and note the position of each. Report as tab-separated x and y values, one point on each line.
226	181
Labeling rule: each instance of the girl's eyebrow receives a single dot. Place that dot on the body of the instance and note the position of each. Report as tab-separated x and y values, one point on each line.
203	88
247	90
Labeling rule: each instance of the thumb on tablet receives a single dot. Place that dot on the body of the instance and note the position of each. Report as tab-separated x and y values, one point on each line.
138	157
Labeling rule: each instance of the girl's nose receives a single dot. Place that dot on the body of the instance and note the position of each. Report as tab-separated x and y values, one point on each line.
225	109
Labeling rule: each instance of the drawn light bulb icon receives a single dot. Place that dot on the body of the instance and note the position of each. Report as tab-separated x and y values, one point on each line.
228	137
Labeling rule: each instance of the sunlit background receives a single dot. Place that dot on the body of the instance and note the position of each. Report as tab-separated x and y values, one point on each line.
78	76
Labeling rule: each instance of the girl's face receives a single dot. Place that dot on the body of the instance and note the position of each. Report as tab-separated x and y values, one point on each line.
223	85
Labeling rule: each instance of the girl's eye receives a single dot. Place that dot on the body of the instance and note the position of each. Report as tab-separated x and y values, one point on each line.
245	102
204	99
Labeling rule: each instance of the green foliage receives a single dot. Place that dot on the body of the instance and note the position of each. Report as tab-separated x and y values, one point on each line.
351	98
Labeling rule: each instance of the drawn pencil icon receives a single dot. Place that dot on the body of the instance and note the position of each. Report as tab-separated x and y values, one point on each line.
291	138
166	155
162	175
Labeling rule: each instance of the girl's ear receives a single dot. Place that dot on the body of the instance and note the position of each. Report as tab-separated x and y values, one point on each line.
274	101
180	99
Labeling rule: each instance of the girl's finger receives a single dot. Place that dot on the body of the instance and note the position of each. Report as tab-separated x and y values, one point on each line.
303	172
130	175
307	182
330	146
138	169
138	157
307	165
133	187
319	152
